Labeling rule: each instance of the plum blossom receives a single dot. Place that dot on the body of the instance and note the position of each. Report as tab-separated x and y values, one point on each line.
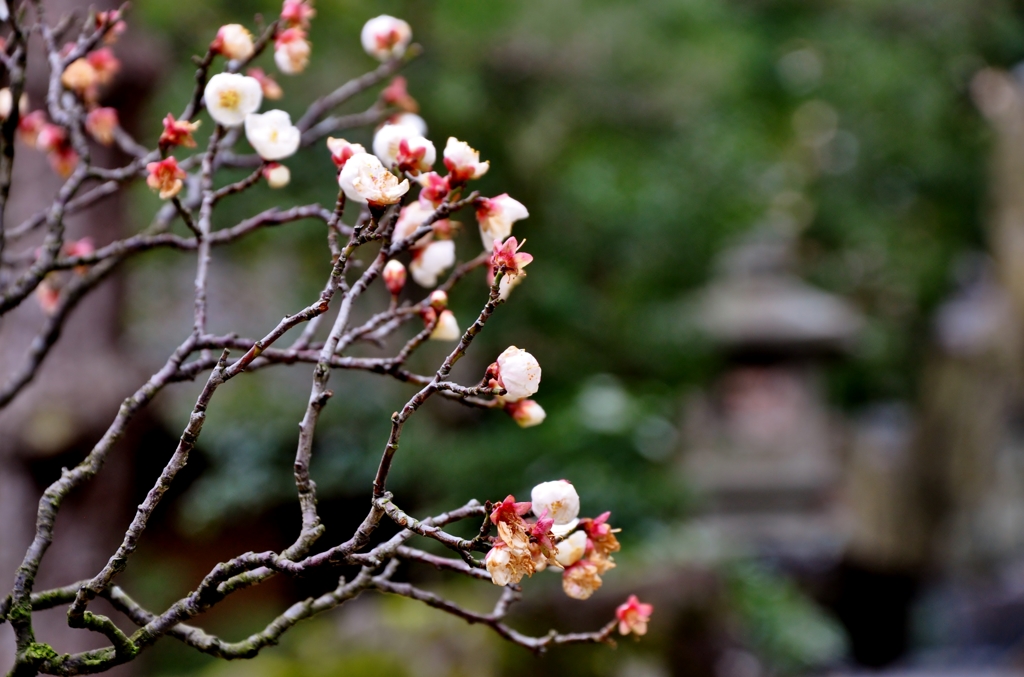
7	103
53	140
526	413
230	97
463	162
517	372
434	188
234	41
409	120
277	175
633	616
508	258
291	51
438	299
506	565
342	150
101	123
412	216
394	277
29	127
178	132
105	64
601	541
80	77
364	180
165	177
385	37
581	580
272	134
571	550
397	94
111	20
271	90
429	262
559	500
297	13
447	327
401	147
496	216
48	294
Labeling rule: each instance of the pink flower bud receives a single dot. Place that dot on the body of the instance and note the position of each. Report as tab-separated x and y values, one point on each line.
291	51
165	177
48	295
277	175
385	37
342	150
101	124
234	42
527	413
105	64
271	90
394	277
111	21
438	300
29	127
397	94
518	373
633	616
297	13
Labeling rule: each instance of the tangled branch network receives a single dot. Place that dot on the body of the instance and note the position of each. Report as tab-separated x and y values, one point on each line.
530	536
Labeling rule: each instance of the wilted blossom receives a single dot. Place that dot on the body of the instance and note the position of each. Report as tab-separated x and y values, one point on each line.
178	132
601	541
447	327
397	94
526	413
233	41
559	500
342	150
385	37
277	175
508	258
571	550
101	124
581	580
506	565
165	177
633	616
271	90
272	134
435	188
463	162
428	263
496	216
511	558
297	13
394	277
291	51
230	97
401	147
412	216
517	372
7	103
364	179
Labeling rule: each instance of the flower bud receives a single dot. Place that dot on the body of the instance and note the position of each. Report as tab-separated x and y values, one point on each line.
291	51
438	300
385	37
435	188
518	373
297	13
342	150
101	123
234	42
572	549
105	64
447	328
394	276
277	175
559	499
527	413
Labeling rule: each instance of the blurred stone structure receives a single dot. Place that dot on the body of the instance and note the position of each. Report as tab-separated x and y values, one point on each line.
763	449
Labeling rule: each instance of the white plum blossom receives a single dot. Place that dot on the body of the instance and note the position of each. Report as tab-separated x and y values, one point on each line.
463	162
272	134
230	97
499	565
518	373
559	499
277	176
234	42
385	37
447	328
402	147
572	549
429	262
496	216
410	120
364	180
291	51
409	220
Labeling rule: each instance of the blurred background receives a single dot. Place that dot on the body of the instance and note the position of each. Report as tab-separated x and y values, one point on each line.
777	297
